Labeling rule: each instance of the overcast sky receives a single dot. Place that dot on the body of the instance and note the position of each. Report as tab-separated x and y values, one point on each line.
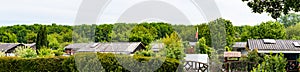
64	11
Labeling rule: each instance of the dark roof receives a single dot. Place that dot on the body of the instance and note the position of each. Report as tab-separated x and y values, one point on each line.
280	45
121	47
77	46
239	45
7	46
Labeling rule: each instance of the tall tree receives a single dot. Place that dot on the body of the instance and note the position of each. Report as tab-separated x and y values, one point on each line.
293	32
42	38
143	33
173	46
103	33
275	8
290	19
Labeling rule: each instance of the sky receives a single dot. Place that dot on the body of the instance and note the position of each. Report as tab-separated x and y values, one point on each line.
14	12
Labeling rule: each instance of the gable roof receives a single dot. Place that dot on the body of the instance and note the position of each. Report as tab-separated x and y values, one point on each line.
239	45
157	46
123	47
7	46
280	45
30	45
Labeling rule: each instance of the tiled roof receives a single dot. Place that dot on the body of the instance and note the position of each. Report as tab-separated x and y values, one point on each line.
6	46
280	45
239	45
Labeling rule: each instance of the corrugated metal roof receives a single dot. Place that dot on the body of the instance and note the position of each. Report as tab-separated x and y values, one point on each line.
280	45
239	45
109	47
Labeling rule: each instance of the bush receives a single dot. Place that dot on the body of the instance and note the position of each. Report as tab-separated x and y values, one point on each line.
2	54
272	63
25	52
84	62
45	52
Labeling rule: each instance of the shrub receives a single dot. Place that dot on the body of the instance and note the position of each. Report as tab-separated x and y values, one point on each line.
272	63
45	52
82	62
2	54
25	52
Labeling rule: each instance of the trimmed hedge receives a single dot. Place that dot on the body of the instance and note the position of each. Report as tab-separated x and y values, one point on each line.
86	62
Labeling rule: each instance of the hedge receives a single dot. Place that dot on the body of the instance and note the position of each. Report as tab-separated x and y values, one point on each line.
88	62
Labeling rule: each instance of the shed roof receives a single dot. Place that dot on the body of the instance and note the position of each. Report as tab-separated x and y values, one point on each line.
7	46
109	47
279	45
239	45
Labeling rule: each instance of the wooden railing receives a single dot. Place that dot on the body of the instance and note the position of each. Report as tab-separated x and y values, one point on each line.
193	66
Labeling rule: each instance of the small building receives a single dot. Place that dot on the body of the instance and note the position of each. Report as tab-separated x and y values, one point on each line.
9	48
240	47
32	45
72	48
290	49
114	47
156	47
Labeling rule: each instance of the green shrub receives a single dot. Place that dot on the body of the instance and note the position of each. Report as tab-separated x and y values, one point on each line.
45	52
2	54
272	63
25	52
91	62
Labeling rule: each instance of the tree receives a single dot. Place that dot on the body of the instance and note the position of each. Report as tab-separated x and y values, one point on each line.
30	37
275	8
142	33
293	32
266	30
272	63
25	52
163	29
42	38
173	46
271	30
103	33
202	48
289	19
7	37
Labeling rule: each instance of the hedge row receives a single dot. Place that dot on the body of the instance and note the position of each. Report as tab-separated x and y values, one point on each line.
89	62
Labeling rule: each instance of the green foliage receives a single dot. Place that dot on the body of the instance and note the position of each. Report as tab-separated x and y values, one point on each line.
2	54
292	32
272	63
275	8
25	52
7	37
253	56
67	64
58	52
202	48
186	32
143	33
103	33
289	19
42	38
147	53
266	30
173	46
45	52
